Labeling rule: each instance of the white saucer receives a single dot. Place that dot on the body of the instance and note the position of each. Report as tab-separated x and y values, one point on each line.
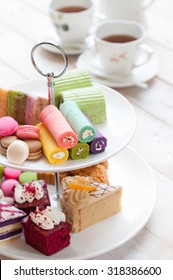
89	60
50	35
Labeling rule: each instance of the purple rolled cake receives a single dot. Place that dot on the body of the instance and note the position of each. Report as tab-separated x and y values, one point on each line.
10	222
99	143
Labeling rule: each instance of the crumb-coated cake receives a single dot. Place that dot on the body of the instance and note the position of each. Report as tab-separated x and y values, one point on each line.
85	202
10	222
46	230
30	195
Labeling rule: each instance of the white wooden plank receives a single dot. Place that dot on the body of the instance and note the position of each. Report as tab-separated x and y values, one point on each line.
21	17
157	99
153	139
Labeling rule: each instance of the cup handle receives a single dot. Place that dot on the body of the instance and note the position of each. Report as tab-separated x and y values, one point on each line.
148	54
146	3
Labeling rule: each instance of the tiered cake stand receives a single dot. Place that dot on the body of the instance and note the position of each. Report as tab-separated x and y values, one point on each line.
127	169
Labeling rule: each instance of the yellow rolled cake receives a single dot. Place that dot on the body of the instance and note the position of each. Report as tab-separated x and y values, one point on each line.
52	151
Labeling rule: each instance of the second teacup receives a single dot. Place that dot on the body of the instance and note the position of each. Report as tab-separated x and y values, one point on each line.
119	46
72	19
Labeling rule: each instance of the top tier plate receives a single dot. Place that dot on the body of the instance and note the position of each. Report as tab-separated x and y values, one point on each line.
118	129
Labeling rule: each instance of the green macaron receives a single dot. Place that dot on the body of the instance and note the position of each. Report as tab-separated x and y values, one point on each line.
27	177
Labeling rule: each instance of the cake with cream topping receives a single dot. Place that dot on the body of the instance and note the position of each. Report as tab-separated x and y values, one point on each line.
30	195
46	230
85	202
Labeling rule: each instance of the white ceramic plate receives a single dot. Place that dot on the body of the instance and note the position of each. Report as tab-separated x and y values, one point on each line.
50	35
143	73
118	129
127	169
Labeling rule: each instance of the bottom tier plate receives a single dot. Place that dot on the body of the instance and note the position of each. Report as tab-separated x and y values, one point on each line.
127	169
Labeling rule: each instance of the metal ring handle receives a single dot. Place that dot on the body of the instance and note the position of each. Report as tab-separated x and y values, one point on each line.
61	51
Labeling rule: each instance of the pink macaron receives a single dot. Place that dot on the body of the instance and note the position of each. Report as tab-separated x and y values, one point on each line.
28	132
8	187
8	126
10	173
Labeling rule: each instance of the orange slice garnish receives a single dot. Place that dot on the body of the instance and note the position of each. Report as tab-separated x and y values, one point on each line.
77	186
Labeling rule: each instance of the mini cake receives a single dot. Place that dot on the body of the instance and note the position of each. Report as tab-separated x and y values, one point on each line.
85	202
30	195
72	79
10	222
46	230
90	100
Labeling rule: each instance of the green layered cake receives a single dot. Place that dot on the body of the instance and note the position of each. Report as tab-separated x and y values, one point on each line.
72	79
90	101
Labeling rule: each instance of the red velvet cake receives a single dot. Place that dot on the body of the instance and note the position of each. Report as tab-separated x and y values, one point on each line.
46	230
30	195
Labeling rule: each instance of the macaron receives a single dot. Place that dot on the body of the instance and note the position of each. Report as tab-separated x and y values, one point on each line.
27	132
27	177
8	187
8	126
5	142
17	152
35	149
11	173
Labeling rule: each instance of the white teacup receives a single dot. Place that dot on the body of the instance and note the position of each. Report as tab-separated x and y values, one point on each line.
119	46
72	19
123	9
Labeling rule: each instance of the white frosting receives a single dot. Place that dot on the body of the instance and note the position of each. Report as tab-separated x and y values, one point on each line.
58	155
68	139
47	218
25	193
87	133
7	212
79	150
42	221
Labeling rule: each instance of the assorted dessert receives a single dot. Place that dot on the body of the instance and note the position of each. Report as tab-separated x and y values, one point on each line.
87	198
31	128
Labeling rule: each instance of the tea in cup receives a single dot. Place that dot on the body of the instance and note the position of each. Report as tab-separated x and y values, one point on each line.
72	19
119	47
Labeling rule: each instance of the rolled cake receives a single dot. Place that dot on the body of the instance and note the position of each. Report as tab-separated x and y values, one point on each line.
90	100
78	121
72	79
58	126
10	222
52	151
99	143
81	150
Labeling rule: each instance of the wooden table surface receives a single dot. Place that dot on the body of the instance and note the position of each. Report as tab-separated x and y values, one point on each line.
22	22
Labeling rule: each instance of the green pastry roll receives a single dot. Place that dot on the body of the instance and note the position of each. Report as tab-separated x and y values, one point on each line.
78	121
80	151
